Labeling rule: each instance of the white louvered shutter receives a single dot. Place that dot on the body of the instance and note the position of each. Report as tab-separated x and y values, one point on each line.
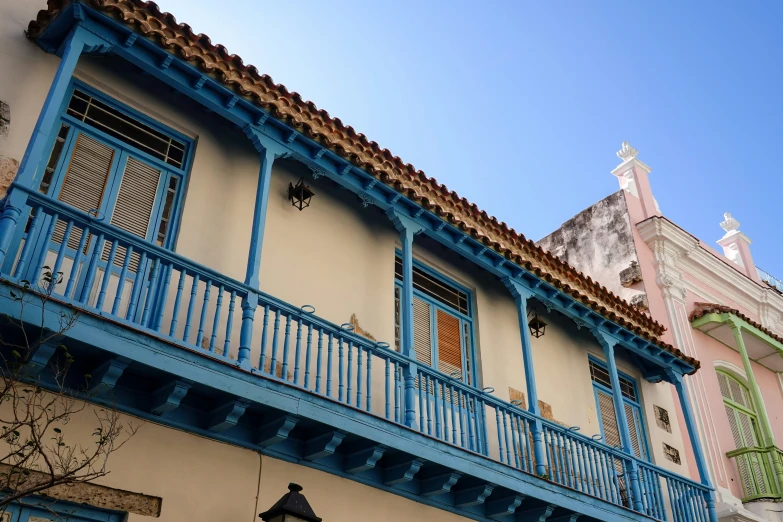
85	181
135	202
634	429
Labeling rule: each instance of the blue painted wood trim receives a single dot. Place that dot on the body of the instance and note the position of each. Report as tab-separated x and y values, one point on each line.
184	77
196	366
693	435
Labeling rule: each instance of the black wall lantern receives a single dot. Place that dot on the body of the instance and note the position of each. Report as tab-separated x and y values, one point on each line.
300	194
537	325
292	507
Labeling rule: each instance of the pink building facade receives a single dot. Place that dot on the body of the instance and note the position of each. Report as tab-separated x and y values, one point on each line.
717	307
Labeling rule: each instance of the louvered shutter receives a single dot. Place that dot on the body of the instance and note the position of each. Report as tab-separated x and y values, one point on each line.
609	419
634	429
449	345
85	181
422	331
135	202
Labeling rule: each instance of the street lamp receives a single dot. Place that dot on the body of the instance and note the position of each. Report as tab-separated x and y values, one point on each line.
292	507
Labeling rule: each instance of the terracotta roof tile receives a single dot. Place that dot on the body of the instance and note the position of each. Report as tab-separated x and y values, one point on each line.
702	309
289	107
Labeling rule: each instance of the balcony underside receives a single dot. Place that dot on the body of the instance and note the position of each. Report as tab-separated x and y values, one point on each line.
188	389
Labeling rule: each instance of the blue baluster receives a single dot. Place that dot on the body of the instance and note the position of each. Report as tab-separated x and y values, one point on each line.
229	324
445	412
505	437
275	339
582	480
340	369
329	357
29	243
138	284
91	269
528	453
500	440
358	376
149	302
262	360
421	402
396	392
121	283
368	404
177	301
286	345
203	319
436	396
463	428
452	400
162	298
298	350
58	263
594	480
512	420
428	396
318	361
216	320
44	250
308	351
191	305
387	388
106	275
349	344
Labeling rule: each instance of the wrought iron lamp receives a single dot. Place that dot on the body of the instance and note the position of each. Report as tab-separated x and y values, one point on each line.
292	507
300	194
537	325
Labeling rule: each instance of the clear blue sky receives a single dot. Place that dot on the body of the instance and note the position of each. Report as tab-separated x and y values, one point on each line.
520	106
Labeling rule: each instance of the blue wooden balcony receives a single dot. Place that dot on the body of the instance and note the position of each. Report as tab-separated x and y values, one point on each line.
165	338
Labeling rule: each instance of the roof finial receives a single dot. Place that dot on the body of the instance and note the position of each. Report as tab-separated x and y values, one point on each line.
626	152
729	224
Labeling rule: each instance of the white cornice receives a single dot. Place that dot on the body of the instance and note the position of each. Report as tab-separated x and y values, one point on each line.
625	166
679	252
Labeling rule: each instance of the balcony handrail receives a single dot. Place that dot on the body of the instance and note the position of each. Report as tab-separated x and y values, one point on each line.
770	279
562	437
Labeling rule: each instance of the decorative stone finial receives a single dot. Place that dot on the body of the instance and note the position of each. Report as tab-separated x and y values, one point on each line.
626	152
729	224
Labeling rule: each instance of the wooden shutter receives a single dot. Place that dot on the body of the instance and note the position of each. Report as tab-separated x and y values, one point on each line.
135	202
85	181
608	419
449	345
422	331
634	429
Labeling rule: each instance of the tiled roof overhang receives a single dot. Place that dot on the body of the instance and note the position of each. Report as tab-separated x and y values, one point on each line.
289	107
702	309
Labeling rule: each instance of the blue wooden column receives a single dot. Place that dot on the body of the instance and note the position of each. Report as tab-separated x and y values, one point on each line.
268	151
77	42
408	228
608	343
521	295
690	423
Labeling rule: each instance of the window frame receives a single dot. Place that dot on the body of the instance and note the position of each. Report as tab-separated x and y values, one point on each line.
123	151
644	443
469	378
752	413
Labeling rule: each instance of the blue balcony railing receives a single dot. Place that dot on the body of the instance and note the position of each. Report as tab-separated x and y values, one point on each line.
130	281
770	279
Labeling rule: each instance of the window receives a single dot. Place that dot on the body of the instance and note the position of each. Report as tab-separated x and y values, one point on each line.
610	430
108	161
744	425
442	322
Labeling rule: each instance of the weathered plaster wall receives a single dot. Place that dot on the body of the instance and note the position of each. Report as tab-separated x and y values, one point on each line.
599	242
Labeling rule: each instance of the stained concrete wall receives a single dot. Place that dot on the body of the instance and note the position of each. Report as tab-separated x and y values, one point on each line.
599	242
337	256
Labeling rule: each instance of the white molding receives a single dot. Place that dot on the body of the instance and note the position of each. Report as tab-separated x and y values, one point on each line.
732	368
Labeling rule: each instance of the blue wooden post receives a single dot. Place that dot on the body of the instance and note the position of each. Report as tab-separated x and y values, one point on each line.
36	148
521	295
250	302
608	343
690	423
407	228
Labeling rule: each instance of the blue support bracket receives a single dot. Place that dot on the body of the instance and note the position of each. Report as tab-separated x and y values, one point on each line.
226	415
504	506
276	431
39	358
364	459
104	378
402	471
168	397
473	496
323	445
537	514
438	484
